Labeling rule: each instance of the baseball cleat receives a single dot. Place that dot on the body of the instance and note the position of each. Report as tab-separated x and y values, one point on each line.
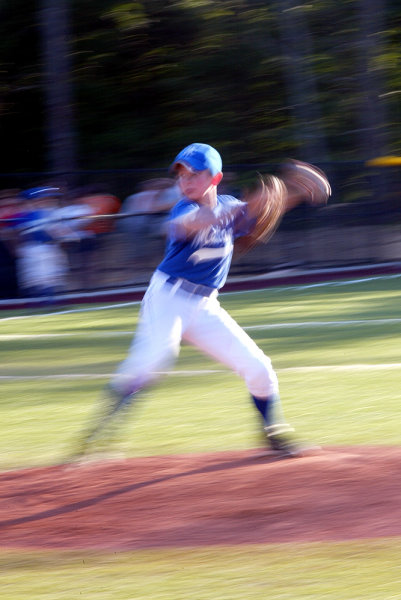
283	445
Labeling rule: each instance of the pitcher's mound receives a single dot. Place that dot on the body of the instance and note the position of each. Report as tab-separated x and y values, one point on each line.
204	499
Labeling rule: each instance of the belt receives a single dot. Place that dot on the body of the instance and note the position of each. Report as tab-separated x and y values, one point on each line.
191	288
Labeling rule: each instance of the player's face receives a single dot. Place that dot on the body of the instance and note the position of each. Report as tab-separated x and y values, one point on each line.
195	185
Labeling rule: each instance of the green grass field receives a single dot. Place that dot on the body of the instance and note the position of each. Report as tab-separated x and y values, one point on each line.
336	348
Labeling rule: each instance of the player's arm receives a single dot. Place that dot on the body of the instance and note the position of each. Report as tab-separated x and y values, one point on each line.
188	223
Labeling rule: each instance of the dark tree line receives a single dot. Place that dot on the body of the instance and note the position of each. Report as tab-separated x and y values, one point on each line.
113	84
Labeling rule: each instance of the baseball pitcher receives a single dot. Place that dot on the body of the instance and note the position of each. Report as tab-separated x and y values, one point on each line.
181	302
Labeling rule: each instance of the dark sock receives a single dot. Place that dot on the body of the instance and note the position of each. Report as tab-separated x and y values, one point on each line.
265	407
117	399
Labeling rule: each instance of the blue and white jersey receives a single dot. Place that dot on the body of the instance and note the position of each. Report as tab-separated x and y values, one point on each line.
205	258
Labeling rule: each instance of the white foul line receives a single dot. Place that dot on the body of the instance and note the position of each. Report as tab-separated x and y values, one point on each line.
105	334
190	373
325	323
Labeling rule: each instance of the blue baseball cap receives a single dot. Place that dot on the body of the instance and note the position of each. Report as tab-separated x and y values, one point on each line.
198	157
40	192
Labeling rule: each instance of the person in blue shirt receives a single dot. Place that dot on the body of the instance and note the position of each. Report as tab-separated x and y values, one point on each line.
181	302
41	261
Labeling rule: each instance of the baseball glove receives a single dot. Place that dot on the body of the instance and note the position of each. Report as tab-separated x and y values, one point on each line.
271	197
266	202
305	183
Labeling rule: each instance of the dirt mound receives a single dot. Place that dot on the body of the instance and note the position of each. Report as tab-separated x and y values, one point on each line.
204	499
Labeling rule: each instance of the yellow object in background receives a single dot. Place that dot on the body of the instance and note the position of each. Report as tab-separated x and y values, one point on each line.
384	161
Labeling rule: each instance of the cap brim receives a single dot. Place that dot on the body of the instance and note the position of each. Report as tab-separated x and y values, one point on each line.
184	164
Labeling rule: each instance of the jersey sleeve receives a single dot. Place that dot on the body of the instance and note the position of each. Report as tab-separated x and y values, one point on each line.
174	224
243	223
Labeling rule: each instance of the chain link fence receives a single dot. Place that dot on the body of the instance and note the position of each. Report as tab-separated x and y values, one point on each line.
361	225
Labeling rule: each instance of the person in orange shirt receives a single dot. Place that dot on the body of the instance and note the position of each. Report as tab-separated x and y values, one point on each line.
100	203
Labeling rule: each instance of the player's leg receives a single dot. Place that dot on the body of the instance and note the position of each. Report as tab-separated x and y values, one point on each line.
153	350
216	333
155	346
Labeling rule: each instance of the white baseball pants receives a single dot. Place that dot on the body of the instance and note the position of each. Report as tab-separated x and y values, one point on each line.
169	315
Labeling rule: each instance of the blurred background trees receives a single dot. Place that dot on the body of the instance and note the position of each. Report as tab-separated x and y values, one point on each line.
121	84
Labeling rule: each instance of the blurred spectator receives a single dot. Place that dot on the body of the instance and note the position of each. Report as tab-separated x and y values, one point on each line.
71	218
148	207
11	206
9	210
154	195
91	255
101	203
41	264
76	238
